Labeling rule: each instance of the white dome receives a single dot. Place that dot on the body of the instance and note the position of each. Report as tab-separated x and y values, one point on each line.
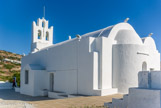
150	43
128	37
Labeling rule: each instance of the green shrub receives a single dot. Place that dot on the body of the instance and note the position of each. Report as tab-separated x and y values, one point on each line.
1	58
17	75
5	78
14	71
2	72
8	66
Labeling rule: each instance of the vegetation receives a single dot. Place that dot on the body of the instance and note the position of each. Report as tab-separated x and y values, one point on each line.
1	58
17	75
2	72
8	70
8	66
5	78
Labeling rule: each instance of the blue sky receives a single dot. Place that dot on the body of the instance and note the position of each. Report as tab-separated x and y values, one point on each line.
71	17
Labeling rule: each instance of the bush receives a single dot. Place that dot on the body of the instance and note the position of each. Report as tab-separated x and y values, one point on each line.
17	75
2	72
8	66
1	58
5	78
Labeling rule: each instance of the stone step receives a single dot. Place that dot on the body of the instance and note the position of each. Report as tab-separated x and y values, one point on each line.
63	96
125	99
57	95
117	102
105	92
108	105
75	95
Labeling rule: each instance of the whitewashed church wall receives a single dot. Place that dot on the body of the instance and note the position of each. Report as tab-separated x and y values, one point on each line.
85	67
27	89
66	81
127	62
104	49
154	55
106	61
41	81
95	70
154	60
63	57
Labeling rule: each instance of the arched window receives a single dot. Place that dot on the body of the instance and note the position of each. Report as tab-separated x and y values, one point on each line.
43	24
39	34
47	36
144	66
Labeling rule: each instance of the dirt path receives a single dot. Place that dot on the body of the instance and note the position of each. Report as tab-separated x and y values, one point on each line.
11	99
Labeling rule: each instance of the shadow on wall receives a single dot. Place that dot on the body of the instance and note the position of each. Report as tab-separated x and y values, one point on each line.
10	94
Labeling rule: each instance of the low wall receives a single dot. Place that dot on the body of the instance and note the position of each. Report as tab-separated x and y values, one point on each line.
149	79
5	85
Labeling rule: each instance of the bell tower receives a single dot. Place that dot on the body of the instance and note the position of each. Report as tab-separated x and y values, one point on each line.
42	36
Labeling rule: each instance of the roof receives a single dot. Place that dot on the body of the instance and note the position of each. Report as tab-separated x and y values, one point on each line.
102	32
110	31
36	67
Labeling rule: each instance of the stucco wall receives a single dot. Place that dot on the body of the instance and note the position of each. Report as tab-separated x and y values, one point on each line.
85	66
71	63
27	89
41	81
144	98
126	65
66	81
104	49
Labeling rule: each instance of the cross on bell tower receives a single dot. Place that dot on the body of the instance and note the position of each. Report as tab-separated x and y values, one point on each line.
44	11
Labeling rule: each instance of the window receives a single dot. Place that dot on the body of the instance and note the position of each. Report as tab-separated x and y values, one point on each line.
47	36
43	24
26	76
39	34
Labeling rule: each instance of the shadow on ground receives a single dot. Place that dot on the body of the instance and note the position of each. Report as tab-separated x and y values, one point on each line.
10	94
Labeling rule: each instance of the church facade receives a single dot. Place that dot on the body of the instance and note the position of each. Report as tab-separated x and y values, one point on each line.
103	62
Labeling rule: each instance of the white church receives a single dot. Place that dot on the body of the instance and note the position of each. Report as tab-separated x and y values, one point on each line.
103	62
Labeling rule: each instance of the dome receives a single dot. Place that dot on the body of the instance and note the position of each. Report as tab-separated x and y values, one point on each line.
128	37
150	43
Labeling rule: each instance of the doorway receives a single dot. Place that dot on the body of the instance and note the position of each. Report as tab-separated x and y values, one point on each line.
144	66
51	82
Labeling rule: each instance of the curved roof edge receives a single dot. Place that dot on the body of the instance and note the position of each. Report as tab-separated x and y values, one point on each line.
118	27
110	31
149	41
